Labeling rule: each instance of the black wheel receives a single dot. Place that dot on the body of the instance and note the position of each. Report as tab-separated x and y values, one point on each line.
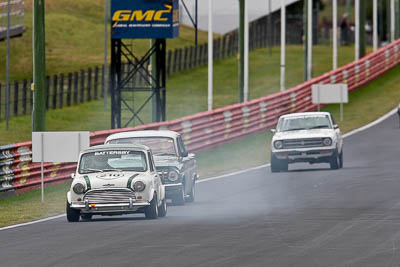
86	217
162	210
341	159
179	198
72	214
151	212
192	193
284	165
334	161
278	165
275	166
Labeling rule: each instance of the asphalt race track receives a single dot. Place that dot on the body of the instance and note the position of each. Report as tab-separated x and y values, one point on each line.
305	217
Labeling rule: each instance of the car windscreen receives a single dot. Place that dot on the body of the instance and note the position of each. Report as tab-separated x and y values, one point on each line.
113	160
304	123
160	146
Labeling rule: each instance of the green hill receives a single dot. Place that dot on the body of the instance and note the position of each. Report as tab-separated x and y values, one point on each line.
74	39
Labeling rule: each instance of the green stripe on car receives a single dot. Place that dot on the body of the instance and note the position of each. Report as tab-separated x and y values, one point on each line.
89	186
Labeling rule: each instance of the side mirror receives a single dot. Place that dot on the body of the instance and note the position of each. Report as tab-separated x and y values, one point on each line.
72	175
273	130
335	126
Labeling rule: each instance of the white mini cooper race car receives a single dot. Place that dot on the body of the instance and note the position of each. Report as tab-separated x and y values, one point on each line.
311	137
116	180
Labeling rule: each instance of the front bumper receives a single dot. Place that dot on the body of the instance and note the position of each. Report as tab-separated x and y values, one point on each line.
101	208
311	155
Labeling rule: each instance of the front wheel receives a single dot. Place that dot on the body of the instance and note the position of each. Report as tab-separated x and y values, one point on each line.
192	193
274	164
335	161
151	212
162	210
179	198
278	165
72	214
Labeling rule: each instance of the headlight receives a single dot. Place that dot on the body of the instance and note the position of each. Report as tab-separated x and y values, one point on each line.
327	142
78	188
173	176
139	186
278	144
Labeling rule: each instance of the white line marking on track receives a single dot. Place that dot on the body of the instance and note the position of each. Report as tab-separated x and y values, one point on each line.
33	222
369	125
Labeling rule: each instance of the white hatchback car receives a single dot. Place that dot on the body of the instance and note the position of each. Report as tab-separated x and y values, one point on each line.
311	137
116	180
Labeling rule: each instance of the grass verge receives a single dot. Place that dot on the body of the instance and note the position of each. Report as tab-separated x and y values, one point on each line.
366	105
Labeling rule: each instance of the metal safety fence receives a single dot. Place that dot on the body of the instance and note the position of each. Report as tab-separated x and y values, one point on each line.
206	130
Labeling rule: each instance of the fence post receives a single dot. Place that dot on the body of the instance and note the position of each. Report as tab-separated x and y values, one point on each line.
89	85
82	93
55	84
76	82
191	64
61	94
16	85
205	57
223	49
169	59
96	82
195	56
102	82
231	45
218	44
175	61
69	89
185	58
24	92
200	57
180	60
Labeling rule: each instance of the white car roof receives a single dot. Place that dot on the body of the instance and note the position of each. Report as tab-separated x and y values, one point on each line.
305	114
147	133
135	147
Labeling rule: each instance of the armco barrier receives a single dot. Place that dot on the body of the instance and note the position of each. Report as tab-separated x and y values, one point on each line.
206	130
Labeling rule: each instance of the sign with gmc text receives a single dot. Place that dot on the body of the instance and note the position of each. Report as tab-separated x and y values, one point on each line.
144	19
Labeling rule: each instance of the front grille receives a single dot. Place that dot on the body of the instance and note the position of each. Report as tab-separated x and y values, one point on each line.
163	174
302	143
104	196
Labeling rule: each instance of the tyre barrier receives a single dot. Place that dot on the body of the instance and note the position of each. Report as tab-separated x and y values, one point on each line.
205	130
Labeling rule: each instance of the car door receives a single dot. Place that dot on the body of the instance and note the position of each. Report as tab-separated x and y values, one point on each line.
188	165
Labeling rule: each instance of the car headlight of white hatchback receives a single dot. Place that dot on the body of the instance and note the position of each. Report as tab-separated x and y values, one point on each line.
78	188
139	186
173	176
327	141
278	144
